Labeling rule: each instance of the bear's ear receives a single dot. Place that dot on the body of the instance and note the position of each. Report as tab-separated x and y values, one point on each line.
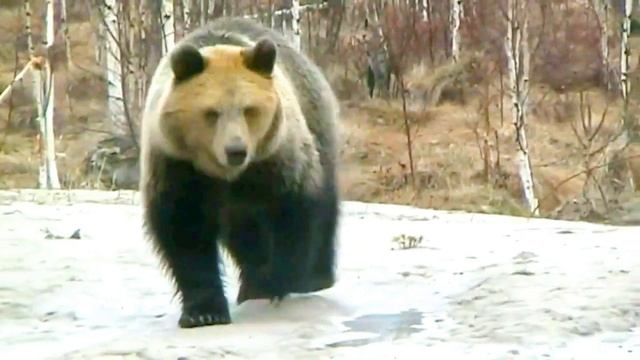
186	61
261	58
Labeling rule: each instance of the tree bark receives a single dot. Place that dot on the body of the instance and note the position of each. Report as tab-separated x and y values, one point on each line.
295	23
46	127
168	37
456	14
425	10
518	60
115	96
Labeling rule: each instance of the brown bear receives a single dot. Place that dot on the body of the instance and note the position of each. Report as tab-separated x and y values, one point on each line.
239	149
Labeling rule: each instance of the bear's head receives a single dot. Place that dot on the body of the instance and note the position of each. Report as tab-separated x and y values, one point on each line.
222	111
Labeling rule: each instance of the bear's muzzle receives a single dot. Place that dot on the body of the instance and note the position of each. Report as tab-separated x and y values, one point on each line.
236	152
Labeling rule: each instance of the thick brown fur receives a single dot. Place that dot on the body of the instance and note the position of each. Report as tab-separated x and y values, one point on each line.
239	148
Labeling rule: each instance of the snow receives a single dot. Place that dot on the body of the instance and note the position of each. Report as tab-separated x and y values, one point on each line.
476	287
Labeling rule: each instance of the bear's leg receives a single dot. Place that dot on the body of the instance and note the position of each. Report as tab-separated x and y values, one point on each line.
250	245
297	237
322	274
181	218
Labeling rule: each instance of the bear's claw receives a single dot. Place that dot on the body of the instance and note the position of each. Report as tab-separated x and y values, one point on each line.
187	321
249	291
205	315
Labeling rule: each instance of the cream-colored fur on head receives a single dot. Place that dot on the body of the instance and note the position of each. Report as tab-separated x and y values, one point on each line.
194	119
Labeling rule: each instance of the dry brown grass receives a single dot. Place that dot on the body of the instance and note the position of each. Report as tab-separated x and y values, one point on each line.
447	158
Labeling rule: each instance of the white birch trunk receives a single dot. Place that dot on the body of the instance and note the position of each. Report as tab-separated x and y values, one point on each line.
168	37
36	76
625	82
376	19
518	59
425	10
295	23
186	13
115	103
625	51
205	7
282	13
46	128
456	15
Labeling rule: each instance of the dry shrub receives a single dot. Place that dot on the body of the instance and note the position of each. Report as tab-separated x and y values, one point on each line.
624	170
11	164
633	162
553	108
344	85
409	38
18	161
394	178
553	189
564	44
11	24
449	82
568	57
485	30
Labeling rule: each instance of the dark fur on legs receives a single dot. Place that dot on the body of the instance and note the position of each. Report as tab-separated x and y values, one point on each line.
292	235
184	233
281	239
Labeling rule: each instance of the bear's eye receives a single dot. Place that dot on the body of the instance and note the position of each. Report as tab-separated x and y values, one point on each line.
212	115
251	111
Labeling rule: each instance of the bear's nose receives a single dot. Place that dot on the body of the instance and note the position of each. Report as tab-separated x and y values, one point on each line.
236	153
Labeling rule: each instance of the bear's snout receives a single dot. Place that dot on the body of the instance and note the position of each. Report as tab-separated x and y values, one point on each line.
236	152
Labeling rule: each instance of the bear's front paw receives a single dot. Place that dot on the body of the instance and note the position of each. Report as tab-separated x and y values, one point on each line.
262	285
313	283
248	291
205	314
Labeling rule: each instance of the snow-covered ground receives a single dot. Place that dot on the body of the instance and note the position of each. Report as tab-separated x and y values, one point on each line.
78	281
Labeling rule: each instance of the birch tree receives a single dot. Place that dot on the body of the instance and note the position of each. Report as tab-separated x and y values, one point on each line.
627	122
295	23
48	152
168	35
187	17
518	61
32	50
115	103
624	57
425	8
207	7
135	40
179	19
43	93
37	89
456	14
